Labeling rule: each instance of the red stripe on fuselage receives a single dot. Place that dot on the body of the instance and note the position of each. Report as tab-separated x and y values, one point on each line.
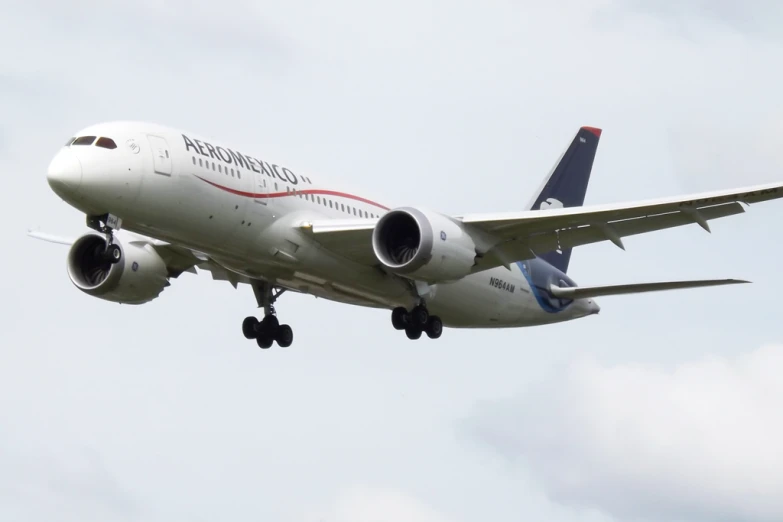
269	195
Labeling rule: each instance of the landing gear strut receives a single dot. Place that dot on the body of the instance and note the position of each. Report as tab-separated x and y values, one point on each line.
416	322
113	253
267	330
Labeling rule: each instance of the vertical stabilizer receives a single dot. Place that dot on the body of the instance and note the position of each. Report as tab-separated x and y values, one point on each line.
566	184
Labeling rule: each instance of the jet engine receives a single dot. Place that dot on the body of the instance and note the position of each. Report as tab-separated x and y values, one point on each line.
422	245
139	276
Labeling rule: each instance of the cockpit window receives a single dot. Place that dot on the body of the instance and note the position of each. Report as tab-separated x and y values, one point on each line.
106	143
69	141
83	140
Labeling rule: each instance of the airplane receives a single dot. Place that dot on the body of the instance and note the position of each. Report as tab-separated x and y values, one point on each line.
161	202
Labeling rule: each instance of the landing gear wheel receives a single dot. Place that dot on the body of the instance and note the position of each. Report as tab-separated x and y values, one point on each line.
264	340
113	253
413	332
268	330
400	318
420	316
434	327
284	336
270	323
249	327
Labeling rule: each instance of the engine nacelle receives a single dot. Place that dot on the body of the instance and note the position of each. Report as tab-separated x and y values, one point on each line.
423	245
138	277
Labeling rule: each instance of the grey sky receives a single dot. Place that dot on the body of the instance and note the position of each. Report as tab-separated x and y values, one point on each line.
164	411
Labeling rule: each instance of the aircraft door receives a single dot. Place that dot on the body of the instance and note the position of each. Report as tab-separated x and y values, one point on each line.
261	189
161	155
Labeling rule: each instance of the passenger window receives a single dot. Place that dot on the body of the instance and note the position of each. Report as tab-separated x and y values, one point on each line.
319	199
342	207
194	159
220	169
84	140
213	166
239	175
330	203
200	164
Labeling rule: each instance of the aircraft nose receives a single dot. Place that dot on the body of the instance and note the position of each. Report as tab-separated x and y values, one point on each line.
65	173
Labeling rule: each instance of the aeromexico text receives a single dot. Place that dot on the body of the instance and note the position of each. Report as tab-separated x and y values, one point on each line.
241	160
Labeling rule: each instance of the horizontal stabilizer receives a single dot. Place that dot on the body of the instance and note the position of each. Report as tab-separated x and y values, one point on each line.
598	291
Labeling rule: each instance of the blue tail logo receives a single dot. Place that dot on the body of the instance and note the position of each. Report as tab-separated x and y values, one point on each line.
550	203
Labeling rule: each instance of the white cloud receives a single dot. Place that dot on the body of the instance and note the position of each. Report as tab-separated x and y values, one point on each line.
757	18
700	441
711	151
371	504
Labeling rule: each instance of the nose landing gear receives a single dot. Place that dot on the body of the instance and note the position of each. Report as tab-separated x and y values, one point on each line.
268	330
113	253
416	322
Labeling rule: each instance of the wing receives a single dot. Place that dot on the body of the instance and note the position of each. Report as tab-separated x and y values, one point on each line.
348	238
523	235
581	292
511	237
178	259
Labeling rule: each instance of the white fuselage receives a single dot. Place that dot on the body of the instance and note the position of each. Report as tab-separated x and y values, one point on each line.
244	212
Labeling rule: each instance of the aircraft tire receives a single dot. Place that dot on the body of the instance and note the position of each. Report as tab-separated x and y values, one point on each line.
420	316
249	327
284	336
434	327
413	332
400	318
264	340
113	253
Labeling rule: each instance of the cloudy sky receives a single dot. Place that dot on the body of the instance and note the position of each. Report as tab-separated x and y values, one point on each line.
663	408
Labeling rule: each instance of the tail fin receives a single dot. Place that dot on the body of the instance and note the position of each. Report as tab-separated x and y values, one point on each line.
566	184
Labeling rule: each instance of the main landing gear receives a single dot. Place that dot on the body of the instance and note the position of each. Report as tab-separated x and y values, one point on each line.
113	253
416	322
267	330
